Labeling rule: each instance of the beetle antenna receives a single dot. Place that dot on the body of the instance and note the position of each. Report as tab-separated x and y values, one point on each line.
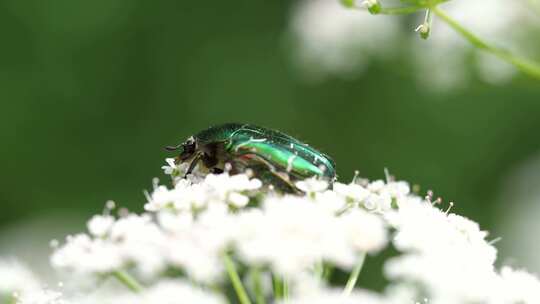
173	148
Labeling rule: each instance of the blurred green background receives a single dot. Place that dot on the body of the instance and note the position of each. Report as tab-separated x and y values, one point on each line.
92	91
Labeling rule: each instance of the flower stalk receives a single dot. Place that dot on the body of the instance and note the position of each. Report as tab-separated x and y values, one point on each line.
257	286
281	288
235	280
130	282
405	10
425	28
527	66
11	299
278	287
354	275
285	290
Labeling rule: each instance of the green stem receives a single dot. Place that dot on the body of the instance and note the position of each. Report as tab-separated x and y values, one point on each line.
536	5
285	290
10	299
278	287
527	66
354	275
427	18
235	280
257	285
129	281
318	269
322	270
399	10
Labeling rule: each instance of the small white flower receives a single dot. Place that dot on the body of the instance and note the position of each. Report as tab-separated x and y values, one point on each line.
84	255
332	201
351	191
174	223
225	183
185	196
376	186
99	225
171	166
177	171
139	240
192	197
15	277
160	198
520	286
378	202
365	232
312	185
238	200
42	296
399	189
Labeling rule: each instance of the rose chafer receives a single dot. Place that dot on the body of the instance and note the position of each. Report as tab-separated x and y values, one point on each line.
274	157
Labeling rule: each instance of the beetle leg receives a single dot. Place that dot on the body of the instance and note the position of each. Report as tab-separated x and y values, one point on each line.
282	176
173	148
193	163
216	170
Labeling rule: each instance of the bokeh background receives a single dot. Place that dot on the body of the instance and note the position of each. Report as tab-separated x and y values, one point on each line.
91	92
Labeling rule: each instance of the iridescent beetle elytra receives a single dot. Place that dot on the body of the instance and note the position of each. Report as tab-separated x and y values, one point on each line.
274	157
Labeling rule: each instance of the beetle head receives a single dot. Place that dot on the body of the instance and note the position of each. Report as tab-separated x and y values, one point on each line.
187	149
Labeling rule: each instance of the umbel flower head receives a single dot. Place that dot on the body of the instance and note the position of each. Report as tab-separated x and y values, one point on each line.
224	238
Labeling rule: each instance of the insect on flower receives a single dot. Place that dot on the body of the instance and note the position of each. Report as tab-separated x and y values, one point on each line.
274	157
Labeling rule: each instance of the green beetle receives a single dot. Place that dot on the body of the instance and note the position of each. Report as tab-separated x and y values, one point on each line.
274	157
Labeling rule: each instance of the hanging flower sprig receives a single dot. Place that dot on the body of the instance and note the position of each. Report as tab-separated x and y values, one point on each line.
432	7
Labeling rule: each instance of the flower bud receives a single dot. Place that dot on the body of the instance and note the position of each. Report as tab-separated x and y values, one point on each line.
348	3
424	30
373	6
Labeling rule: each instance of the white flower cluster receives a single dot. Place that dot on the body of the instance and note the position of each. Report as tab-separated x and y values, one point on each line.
41	296
197	192
20	285
191	225
164	292
335	41
450	258
183	247
15	277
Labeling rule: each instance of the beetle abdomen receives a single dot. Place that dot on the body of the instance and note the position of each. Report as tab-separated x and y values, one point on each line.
281	150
